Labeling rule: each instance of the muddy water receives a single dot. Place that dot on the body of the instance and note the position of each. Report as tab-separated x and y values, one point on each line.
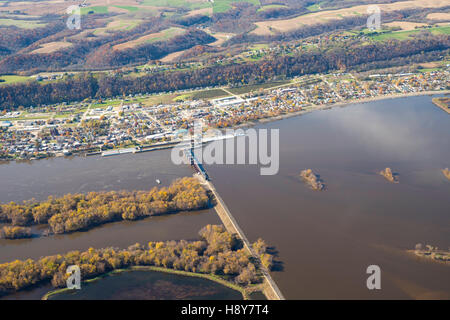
327	239
148	285
39	179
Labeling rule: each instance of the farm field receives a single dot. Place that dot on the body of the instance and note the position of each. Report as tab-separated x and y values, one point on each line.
111	26
402	35
406	25
225	5
118	25
440	16
272	6
103	89
9	79
52	47
25	24
152	37
274	26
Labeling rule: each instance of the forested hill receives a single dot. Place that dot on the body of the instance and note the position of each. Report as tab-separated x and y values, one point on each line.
341	57
100	54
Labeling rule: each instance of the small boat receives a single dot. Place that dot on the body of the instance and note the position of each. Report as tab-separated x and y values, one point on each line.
158	181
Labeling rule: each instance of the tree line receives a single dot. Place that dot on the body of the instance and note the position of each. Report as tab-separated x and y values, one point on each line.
339	56
217	252
345	23
74	212
99	53
8	232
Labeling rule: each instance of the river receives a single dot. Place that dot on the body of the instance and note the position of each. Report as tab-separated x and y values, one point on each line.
39	179
325	240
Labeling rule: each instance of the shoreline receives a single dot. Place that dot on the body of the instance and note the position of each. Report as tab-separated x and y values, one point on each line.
244	291
311	108
441	105
350	102
425	258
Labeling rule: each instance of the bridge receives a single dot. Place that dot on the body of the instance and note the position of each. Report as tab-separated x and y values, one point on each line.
270	288
195	164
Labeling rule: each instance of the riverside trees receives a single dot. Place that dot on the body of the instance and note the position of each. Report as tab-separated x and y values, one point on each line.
15	232
202	256
74	212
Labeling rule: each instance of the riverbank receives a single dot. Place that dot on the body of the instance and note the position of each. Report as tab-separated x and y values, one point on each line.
389	176
312	180
347	147
308	109
196	257
313	108
443	103
81	212
358	204
437	256
245	291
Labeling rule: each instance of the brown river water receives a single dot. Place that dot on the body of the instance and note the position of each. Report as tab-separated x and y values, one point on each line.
325	240
39	179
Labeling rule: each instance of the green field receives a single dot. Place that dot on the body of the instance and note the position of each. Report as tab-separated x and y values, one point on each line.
105	104
259	46
272	6
225	5
314	7
129	8
403	35
218	5
94	10
428	70
256	87
13	79
24	24
209	94
202	94
441	30
126	25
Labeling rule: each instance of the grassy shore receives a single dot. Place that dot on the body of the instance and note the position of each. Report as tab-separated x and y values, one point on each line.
244	291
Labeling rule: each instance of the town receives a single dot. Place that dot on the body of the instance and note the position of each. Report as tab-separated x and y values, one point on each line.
147	121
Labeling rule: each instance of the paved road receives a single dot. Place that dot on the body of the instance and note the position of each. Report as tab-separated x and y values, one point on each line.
271	289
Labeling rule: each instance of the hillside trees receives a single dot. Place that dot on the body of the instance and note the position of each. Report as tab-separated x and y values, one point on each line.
346	55
98	53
